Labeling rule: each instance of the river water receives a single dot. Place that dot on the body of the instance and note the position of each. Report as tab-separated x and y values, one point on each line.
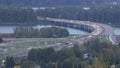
117	31
10	29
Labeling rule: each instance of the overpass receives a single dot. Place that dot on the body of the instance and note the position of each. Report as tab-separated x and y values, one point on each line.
96	30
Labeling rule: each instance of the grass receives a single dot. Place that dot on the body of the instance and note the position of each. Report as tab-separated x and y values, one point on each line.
74	37
23	46
35	43
103	40
17	66
17	47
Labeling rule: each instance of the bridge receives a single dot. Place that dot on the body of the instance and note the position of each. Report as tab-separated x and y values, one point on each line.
96	30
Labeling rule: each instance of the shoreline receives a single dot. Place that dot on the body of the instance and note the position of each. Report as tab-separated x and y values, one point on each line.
34	24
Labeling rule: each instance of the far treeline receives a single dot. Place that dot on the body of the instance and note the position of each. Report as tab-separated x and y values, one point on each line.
17	15
27	16
100	14
48	32
52	3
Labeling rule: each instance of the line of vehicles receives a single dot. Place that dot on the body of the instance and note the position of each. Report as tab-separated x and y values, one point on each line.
100	30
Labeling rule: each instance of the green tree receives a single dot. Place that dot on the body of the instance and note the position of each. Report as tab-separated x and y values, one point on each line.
72	62
27	64
10	62
1	40
99	64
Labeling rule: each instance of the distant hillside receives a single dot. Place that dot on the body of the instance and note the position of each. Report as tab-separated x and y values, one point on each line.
46	3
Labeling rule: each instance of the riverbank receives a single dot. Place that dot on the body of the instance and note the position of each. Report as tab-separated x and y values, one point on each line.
10	29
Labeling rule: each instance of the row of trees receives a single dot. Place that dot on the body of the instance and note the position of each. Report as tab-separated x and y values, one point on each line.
17	15
48	32
106	51
22	15
48	58
1	40
9	62
100	55
48	3
101	14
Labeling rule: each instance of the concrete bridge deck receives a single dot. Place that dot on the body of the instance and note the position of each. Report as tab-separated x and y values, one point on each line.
97	30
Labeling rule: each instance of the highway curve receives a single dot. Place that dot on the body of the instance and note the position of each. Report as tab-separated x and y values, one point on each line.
100	30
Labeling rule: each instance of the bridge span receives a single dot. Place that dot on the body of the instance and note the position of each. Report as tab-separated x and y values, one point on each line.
96	30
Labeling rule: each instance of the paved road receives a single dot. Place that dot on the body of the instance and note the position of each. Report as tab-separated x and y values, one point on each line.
101	30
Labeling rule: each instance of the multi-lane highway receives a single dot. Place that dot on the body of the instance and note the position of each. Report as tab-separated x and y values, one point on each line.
100	30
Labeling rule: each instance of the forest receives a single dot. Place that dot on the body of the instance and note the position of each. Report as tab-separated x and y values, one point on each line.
17	15
48	3
100	15
21	16
95	55
99	55
46	32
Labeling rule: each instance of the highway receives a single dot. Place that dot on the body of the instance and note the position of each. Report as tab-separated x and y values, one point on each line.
100	30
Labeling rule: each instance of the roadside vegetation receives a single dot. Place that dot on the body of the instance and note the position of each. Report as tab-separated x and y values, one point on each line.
104	39
20	46
96	55
99	55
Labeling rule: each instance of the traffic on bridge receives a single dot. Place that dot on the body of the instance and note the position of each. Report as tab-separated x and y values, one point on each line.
96	30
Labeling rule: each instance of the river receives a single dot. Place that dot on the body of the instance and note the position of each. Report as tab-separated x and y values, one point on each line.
10	29
117	31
